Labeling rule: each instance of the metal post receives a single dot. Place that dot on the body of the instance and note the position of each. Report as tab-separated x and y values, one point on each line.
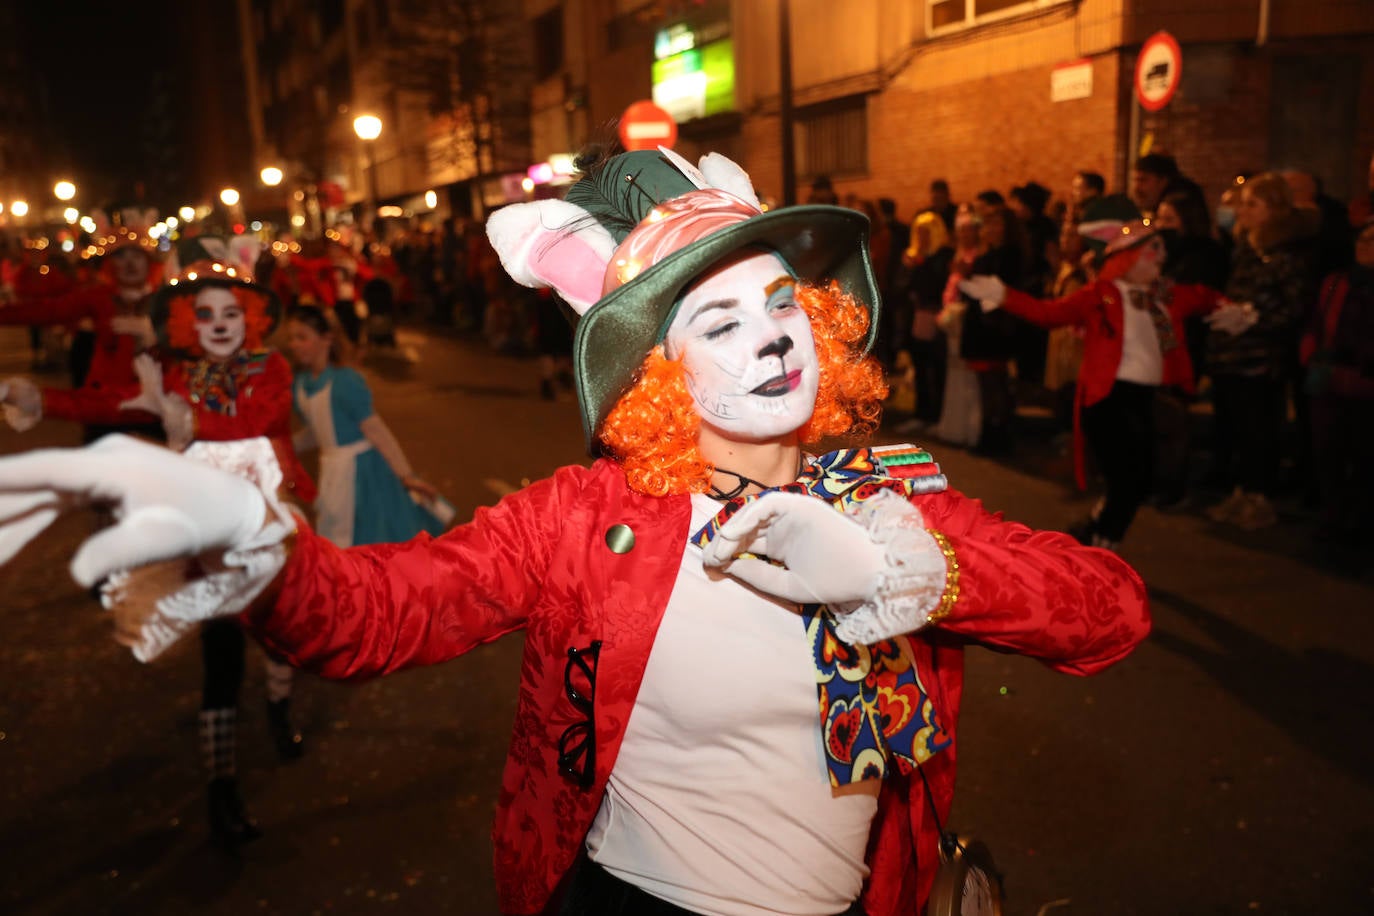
789	161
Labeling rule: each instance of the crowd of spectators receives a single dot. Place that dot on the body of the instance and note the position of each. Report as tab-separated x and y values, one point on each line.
1282	413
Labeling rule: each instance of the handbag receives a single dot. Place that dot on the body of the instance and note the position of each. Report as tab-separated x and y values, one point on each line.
967	883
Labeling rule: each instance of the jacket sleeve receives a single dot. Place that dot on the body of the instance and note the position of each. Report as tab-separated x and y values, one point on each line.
1053	313
1189	299
262	409
365	611
68	308
93	405
1038	593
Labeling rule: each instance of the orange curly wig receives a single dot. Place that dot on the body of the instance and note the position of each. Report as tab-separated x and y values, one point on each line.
181	320
652	431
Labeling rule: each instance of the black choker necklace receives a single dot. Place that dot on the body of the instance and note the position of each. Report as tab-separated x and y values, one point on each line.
720	495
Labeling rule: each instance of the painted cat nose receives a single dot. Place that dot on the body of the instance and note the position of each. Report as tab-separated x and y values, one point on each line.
780	347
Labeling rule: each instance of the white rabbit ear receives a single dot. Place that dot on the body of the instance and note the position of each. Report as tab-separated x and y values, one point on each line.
244	251
552	243
726	175
686	168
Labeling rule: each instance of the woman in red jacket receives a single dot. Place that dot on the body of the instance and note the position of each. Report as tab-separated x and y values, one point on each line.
700	729
1134	342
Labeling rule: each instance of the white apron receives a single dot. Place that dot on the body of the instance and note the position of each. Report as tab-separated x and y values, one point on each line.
334	508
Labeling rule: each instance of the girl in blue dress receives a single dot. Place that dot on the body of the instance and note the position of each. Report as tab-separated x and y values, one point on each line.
365	480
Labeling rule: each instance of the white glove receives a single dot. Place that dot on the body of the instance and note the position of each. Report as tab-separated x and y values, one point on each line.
1233	318
165	505
178	420
987	289
23	403
139	327
151	395
828	558
880	570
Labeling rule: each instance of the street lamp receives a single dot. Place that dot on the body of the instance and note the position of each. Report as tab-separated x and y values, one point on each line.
70	214
271	176
19	208
187	214
64	190
229	197
369	128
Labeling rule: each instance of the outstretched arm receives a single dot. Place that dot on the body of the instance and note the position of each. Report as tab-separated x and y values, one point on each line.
1038	593
344	613
65	308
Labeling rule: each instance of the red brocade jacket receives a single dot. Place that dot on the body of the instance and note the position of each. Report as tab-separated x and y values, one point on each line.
542	560
261	407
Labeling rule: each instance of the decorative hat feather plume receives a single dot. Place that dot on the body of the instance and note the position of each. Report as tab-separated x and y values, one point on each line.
620	198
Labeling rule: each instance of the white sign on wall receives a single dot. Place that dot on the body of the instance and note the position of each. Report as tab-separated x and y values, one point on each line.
1073	80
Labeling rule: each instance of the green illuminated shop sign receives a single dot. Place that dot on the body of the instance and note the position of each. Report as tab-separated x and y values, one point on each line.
696	82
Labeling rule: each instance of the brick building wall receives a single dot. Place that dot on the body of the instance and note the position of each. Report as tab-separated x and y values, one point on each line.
1225	118
993	132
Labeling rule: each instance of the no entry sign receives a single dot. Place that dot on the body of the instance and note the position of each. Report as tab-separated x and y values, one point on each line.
646	126
1158	71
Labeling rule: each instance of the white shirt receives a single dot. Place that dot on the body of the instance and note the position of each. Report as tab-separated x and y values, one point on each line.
719	801
1142	361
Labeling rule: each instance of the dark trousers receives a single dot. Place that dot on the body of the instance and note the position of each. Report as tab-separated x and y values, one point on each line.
222	652
1120	428
929	357
346	310
999	408
1249	425
1172	444
596	892
1343	459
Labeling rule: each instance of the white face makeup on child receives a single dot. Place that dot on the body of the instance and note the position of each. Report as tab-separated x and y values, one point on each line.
220	322
1147	267
748	351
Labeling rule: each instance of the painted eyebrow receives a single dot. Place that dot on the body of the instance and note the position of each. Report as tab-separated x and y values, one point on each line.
780	283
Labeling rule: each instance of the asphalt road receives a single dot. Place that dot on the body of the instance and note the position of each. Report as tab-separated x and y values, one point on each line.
1225	768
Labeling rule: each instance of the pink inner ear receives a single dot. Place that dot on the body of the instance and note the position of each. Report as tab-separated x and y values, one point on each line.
572	267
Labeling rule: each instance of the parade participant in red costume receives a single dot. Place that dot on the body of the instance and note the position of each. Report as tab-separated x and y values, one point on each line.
219	383
227	387
688	598
112	326
1133	324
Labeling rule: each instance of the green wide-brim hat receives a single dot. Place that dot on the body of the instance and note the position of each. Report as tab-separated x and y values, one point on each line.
817	243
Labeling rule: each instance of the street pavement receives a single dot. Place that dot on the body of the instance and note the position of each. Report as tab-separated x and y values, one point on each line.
1224	768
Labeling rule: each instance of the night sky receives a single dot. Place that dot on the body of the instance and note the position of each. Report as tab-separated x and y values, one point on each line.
112	95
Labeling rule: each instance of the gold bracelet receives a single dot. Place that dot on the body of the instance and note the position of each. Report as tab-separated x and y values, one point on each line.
951	593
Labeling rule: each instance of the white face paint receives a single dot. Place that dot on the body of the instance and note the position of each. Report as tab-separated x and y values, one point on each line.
220	322
748	350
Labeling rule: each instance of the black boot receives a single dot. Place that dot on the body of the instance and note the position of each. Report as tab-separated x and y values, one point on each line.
290	745
230	827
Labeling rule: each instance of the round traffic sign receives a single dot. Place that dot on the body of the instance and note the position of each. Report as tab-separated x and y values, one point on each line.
1158	71
646	126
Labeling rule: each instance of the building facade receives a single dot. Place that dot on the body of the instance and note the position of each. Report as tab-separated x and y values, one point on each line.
448	80
887	95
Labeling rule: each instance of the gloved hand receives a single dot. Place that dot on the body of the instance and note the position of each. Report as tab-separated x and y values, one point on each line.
1234	318
140	327
151	395
165	505
829	558
22	401
987	289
